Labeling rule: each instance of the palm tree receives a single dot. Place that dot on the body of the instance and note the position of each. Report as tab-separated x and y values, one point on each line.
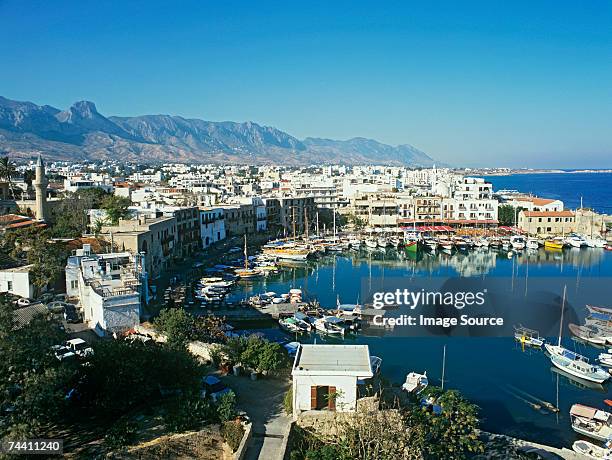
7	171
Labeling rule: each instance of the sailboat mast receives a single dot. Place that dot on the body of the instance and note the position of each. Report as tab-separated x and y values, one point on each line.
246	256
317	223
306	221
334	214
443	365
293	220
562	309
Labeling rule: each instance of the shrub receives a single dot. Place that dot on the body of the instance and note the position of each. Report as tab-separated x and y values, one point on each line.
226	406
232	432
189	413
121	434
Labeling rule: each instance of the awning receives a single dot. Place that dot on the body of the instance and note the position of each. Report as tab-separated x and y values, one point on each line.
578	410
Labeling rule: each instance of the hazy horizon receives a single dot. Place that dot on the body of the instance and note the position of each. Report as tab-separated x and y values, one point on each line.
478	84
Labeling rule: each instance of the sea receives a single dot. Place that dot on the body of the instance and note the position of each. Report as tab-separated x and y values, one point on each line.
507	381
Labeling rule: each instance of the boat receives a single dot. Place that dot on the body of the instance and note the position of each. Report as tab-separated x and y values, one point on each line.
430	244
579	366
246	272
608	247
382	242
601	310
415	383
575	241
591	422
371	243
294	325
555	243
412	240
605	359
532	243
460	244
528	337
328	325
588	334
590	450
595	242
354	243
446	244
287	252
517	242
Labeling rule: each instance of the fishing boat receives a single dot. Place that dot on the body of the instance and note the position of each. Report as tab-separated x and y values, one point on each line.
430	244
528	337
288	252
415	383
579	366
590	450
591	422
328	325
517	242
587	334
446	244
601	310
294	325
555	243
411	241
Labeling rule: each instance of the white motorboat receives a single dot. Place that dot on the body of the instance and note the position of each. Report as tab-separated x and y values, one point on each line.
605	359
595	242
517	242
355	243
575	241
430	244
327	325
383	242
294	325
415	383
528	337
591	422
579	366
532	243
590	450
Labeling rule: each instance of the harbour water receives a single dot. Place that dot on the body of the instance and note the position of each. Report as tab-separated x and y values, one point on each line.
494	372
568	187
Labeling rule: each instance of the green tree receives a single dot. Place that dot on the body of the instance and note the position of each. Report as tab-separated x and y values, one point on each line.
7	172
116	208
507	214
226	406
178	326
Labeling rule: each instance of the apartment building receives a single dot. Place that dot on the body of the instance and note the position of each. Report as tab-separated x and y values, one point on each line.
212	225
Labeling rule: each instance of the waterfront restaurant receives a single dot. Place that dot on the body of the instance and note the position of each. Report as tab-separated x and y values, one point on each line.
325	377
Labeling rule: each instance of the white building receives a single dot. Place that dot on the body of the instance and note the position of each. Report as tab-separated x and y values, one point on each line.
534	203
108	288
212	226
325	377
17	281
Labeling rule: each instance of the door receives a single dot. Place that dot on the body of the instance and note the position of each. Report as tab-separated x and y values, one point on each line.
313	398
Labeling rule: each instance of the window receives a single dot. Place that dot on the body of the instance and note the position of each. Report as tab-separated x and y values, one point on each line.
9	285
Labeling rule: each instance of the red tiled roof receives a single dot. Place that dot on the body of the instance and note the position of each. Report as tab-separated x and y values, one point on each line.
548	213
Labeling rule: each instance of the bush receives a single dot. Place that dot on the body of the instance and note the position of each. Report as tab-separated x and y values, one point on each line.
288	401
121	434
232	432
189	413
226	406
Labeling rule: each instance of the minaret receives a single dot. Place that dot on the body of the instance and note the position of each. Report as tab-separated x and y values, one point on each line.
40	184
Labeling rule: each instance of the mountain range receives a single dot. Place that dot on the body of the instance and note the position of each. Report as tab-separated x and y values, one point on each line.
82	133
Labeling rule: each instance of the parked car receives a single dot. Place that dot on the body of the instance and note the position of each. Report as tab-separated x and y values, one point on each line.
23	302
213	387
56	307
62	352
79	347
70	314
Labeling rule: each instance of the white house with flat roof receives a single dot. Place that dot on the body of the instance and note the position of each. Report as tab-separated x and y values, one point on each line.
325	377
17	281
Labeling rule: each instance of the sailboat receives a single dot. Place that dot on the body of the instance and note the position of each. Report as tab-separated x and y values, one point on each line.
246	272
574	363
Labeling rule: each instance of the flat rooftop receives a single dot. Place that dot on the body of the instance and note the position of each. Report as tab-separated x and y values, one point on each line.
333	360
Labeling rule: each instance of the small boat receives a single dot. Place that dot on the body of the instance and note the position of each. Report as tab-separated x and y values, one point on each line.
294	325
601	310
579	366
382	242
354	243
595	242
591	422
532	243
247	273
528	337
608	247
517	242
575	241
605	359
327	325
446	244
415	383
590	450
430	244
587	334
292	348
553	244
371	243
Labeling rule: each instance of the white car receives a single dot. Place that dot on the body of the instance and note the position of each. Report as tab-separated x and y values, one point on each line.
79	347
23	302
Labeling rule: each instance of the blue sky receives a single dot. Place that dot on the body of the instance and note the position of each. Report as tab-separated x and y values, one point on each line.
492	83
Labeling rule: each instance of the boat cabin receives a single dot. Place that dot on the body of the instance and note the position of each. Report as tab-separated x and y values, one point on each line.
325	377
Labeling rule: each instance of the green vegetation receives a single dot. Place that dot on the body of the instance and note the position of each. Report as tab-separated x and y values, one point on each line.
257	353
181	327
507	214
121	434
411	432
232	432
226	406
288	401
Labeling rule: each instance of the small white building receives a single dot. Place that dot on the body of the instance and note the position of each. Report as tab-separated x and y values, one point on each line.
17	281
109	288
325	377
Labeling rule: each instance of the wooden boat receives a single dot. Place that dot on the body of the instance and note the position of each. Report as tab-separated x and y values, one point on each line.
591	422
553	244
579	366
528	337
415	383
587	334
590	450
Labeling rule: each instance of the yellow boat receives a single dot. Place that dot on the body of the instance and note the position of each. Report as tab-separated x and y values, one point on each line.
553	244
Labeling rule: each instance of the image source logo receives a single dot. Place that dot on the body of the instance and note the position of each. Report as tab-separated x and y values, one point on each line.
472	307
